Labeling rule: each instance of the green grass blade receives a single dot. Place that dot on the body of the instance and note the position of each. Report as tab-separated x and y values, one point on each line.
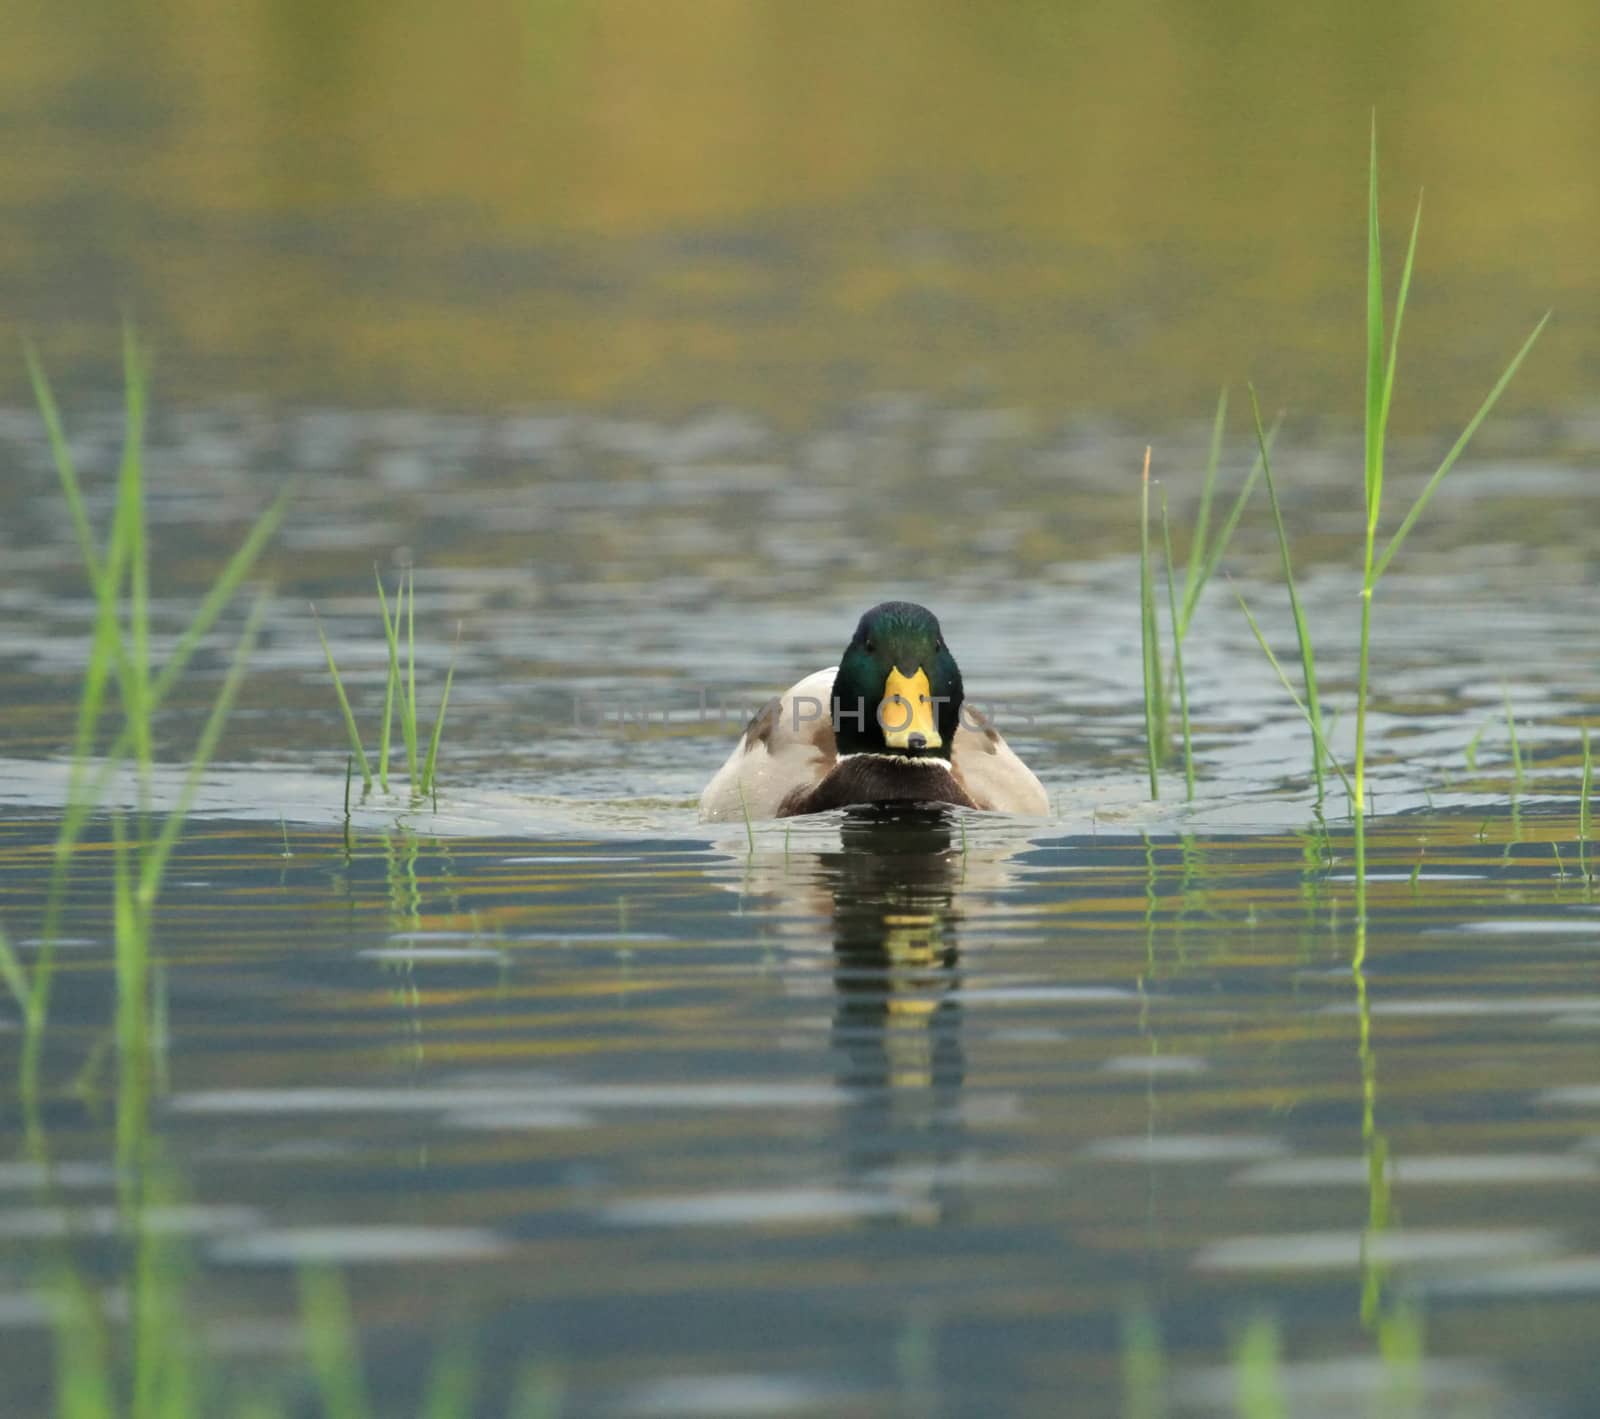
135	665
105	655
15	975
156	859
1147	640
1177	655
79	808
1144	1369
1456	451
1202	519
83	1369
66	470
131	952
1517	778
452	1382
1376	423
438	724
1214	553
1470	753
410	715
749	827
1299	704
344	704
1401	1344
1302	630
125	544
160	1030
1258	1366
1375	372
330	1338
106	649
1585	794
392	680
131	939
1399	315
408	722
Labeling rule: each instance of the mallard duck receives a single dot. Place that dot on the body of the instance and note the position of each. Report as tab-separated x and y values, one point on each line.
885	725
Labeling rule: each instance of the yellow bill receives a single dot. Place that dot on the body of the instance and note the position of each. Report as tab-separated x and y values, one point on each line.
907	709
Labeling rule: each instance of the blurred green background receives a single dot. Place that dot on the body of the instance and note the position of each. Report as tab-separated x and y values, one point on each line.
1091	208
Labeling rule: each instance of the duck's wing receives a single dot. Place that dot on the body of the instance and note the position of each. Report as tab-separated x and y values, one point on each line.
789	745
992	775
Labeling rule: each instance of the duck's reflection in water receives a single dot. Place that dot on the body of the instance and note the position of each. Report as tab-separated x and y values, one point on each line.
895	884
887	900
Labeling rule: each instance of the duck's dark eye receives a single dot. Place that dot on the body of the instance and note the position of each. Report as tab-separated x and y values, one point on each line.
939	649
869	647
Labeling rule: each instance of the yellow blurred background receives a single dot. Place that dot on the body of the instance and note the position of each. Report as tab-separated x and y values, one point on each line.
783	204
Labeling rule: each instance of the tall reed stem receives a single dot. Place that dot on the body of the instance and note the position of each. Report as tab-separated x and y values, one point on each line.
1380	374
1154	725
1177	653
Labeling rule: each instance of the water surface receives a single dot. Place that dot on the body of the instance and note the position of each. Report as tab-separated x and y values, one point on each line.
661	345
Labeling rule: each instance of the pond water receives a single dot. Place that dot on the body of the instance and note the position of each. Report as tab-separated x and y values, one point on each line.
659	373
860	1116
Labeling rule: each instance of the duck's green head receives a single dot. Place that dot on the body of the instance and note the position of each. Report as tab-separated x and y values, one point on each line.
898	690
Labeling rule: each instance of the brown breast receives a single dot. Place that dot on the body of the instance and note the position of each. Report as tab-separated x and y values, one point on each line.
867	778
